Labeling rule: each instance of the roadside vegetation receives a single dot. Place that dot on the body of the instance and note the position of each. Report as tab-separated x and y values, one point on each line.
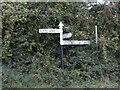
32	60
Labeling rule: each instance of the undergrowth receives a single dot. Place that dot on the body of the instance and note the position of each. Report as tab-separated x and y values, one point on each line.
14	79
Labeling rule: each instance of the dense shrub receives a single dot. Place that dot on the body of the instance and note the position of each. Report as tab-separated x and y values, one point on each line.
30	52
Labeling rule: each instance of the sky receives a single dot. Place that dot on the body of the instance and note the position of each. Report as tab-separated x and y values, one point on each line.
100	1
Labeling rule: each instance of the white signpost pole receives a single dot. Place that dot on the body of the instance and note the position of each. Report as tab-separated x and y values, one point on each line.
61	44
96	35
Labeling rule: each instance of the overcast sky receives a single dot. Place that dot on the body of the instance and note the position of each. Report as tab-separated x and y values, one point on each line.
100	1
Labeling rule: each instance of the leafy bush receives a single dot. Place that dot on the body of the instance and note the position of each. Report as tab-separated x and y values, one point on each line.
30	52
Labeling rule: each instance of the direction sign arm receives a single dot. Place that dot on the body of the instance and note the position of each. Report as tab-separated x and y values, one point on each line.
67	35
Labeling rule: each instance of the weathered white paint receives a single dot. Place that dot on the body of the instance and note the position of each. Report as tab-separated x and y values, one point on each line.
63	36
67	35
61	33
75	42
50	30
96	35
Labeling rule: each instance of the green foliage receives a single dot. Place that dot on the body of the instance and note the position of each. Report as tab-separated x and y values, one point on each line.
27	51
15	79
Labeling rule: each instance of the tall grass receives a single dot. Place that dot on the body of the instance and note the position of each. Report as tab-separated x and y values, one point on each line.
14	79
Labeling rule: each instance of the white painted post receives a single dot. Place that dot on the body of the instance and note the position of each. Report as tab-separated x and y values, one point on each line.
96	35
61	33
61	44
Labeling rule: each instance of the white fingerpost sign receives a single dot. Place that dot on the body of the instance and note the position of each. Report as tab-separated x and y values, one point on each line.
49	30
67	35
75	42
65	42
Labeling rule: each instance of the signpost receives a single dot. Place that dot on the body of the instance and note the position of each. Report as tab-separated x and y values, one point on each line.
75	42
67	35
49	30
61	44
64	42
